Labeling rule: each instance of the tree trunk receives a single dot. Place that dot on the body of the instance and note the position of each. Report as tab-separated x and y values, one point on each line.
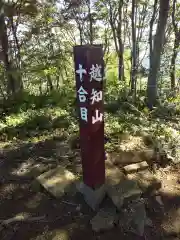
80	33
91	37
19	83
106	46
120	43
151	29
113	27
117	36
134	52
14	84
14	31
50	83
7	65
175	47
114	35
156	53
173	63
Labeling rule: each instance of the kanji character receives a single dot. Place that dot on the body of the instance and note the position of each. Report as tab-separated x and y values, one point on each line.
81	71
96	96
82	92
95	73
83	112
98	117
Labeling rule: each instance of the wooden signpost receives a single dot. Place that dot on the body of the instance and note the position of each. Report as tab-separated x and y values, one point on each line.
89	69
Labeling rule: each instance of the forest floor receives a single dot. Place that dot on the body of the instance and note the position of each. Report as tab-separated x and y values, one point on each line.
27	150
62	218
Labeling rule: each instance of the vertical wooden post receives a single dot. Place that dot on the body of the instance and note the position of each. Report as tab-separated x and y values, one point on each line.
89	71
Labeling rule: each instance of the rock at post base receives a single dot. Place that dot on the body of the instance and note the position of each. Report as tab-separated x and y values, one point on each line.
146	180
134	218
57	181
92	197
125	190
105	219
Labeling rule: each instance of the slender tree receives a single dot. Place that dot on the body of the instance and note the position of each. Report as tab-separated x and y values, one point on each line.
14	84
134	48
176	45
156	53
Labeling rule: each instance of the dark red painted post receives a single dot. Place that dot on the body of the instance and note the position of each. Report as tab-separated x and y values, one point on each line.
89	85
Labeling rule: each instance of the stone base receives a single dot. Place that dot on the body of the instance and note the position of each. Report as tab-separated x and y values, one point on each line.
105	219
125	191
92	197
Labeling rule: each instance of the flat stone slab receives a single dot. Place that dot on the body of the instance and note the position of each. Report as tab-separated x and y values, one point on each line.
92	197
124	157
57	181
148	154
136	167
134	218
124	191
105	219
146	180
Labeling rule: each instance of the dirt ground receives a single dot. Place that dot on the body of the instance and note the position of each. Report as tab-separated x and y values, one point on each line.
69	218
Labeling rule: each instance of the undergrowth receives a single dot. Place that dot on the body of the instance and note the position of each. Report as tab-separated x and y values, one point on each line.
31	118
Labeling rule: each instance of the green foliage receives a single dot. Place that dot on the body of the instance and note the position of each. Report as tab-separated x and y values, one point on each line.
33	116
26	101
41	55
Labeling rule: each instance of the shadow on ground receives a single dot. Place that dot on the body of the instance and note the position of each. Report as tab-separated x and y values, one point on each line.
67	217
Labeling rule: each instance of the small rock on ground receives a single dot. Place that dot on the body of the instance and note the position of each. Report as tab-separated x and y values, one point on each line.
133	218
105	219
135	167
57	181
146	180
123	157
125	190
92	197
